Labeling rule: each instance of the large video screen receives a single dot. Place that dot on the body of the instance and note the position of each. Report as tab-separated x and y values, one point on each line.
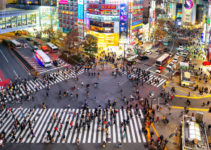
38	2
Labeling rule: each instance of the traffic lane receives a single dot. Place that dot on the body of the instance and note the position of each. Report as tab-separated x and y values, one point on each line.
11	66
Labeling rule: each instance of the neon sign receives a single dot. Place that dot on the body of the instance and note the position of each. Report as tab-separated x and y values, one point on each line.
188	4
63	2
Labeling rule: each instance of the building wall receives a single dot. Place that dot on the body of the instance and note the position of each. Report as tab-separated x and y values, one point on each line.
68	15
17	21
2	4
147	3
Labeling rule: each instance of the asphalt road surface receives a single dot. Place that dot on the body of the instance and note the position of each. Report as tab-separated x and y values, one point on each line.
9	64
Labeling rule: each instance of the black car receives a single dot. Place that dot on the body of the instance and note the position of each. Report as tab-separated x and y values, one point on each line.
36	43
143	57
28	39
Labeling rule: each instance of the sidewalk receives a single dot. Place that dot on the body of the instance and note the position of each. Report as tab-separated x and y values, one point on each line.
171	131
184	91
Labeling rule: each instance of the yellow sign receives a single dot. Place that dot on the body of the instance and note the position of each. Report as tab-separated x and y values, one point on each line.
105	39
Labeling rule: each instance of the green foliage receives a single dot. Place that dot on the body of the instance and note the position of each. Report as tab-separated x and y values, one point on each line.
90	44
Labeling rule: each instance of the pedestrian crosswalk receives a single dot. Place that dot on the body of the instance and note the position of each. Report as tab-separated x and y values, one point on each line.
152	80
43	125
32	86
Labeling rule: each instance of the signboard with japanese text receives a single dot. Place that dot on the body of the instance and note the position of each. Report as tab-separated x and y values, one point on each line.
80	10
123	18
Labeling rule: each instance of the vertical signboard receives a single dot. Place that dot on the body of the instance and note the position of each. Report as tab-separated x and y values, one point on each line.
123	19
81	18
209	52
80	10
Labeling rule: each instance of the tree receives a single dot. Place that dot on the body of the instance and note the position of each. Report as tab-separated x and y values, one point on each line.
90	44
72	42
158	34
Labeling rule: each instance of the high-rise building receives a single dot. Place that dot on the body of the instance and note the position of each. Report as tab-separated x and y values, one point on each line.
68	15
112	21
2	4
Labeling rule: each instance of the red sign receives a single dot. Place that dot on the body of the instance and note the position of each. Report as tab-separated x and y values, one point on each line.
94	6
108	6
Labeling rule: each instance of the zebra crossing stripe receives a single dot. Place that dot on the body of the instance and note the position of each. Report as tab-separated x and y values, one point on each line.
140	129
109	128
30	85
94	123
71	132
33	115
121	119
118	128
3	112
99	132
64	125
85	129
19	131
81	129
45	125
8	120
142	116
10	127
78	120
132	131
161	83
136	127
114	132
50	124
66	133
41	85
54	133
28	132
36	126
127	128
59	128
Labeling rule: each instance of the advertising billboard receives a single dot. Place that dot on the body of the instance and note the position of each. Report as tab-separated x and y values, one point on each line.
80	10
123	18
63	2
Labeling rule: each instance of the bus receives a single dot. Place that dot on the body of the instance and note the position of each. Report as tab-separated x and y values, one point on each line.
52	47
42	58
162	60
15	44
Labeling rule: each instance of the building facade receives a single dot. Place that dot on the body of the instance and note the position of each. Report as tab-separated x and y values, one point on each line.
113	21
68	15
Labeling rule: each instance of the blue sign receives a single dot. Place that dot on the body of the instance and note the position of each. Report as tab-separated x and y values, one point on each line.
136	22
202	37
123	18
80	11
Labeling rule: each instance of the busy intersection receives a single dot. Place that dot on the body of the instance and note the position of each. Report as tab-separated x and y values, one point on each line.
105	75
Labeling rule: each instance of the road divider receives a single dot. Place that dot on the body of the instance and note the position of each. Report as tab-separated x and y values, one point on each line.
29	68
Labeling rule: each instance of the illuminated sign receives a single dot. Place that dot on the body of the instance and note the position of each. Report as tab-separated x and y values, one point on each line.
64	2
80	10
94	6
188	4
108	6
123	17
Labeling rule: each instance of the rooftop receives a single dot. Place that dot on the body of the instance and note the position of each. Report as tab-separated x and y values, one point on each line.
194	133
